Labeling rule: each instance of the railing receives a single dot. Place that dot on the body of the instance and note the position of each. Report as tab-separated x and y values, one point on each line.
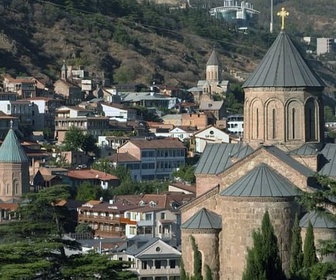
158	271
102	219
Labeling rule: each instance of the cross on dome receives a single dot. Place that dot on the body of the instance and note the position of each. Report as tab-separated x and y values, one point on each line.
283	14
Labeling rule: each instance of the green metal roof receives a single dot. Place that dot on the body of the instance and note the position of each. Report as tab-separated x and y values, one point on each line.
203	219
262	181
318	220
283	66
11	149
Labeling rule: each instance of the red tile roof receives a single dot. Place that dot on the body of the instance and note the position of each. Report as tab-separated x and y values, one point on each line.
167	143
90	174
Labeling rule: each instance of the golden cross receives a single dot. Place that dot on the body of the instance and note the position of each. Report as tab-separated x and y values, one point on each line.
283	14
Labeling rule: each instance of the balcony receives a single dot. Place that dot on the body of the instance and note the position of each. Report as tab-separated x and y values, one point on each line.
98	219
144	223
157	271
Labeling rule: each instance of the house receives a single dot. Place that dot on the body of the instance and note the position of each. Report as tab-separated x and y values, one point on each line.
118	112
105	218
198	120
75	177
24	86
151	258
182	132
7	122
214	107
109	144
48	177
235	124
148	99
8	95
68	116
109	95
74	158
150	159
207	135
68	89
181	187
20	109
43	112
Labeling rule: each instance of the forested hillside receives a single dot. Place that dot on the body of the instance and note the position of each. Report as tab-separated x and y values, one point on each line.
124	40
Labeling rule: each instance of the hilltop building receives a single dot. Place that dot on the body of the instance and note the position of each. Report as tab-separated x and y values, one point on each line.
14	169
282	150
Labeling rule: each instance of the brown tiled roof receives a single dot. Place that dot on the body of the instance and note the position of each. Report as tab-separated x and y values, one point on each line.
123	157
9	206
90	174
167	143
189	188
117	207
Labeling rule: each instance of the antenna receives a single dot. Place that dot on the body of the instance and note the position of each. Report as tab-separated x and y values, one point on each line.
271	23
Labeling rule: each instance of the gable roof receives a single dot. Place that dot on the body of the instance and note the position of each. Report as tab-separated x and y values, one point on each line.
216	157
203	219
289	161
317	220
11	150
167	143
261	181
283	66
307	149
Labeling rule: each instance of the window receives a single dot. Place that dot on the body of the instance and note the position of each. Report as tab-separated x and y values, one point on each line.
158	249
148	217
172	263
144	265
163	216
157	264
133	230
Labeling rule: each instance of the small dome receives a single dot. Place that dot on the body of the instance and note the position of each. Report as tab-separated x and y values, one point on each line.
11	150
318	220
203	219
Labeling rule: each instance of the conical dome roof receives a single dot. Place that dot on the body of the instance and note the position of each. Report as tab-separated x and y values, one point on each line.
203	219
11	150
317	220
262	181
283	66
213	59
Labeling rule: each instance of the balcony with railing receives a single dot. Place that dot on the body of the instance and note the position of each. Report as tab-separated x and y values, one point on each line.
157	271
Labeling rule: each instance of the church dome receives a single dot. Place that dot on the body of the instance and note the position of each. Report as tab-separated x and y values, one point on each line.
283	66
11	150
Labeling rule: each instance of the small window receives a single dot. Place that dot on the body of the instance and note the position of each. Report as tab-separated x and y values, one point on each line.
158	249
163	216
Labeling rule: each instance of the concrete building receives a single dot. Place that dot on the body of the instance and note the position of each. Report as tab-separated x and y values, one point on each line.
324	45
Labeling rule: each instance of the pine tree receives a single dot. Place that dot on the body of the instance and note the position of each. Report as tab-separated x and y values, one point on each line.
183	275
263	260
208	274
296	256
197	260
309	250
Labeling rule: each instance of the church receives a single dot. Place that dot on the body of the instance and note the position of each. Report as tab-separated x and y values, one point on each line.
282	150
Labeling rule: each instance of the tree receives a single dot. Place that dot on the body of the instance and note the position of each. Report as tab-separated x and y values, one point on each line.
86	192
34	248
309	250
183	275
296	256
186	173
76	140
197	260
83	228
208	273
263	260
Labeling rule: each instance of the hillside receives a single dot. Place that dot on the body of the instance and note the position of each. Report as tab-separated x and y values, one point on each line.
127	41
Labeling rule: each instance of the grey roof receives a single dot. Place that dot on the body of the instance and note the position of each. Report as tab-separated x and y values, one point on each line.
11	149
210	105
283	66
213	59
261	181
289	161
327	160
318	220
203	219
195	89
307	149
216	157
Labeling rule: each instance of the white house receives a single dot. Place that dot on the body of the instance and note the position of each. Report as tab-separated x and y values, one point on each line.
235	124
153	259
118	112
18	108
181	133
209	134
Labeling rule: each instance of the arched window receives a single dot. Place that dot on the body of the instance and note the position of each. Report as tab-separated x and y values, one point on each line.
293	123
273	124
257	123
311	121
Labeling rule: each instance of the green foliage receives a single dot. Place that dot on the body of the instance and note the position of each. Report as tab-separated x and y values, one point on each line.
83	228
263	260
296	254
309	250
322	271
76	140
33	247
197	260
208	273
232	104
329	115
183	275
186	173
86	192
145	114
